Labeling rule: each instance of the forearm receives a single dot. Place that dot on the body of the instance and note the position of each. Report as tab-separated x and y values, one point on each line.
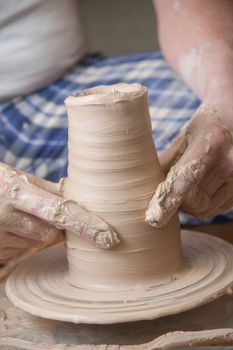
196	37
197	40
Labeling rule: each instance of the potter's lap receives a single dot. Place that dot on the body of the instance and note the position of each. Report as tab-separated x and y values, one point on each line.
33	129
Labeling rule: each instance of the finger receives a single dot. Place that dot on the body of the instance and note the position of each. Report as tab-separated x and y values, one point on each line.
28	197
64	215
197	160
219	174
171	192
212	181
55	188
10	240
172	154
30	227
195	201
199	197
221	201
10	253
182	178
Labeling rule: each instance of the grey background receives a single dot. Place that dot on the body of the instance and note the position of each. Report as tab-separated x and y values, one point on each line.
119	27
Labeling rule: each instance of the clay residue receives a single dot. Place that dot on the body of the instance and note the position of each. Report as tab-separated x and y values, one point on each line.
169	195
88	224
105	95
171	340
20	329
34	209
15	190
49	292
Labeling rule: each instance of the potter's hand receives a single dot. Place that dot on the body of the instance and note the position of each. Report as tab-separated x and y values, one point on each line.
201	52
32	210
200	170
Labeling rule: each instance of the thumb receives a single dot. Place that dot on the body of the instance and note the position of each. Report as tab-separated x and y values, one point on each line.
171	192
183	177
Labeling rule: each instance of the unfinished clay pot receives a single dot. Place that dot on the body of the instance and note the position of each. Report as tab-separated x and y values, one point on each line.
114	171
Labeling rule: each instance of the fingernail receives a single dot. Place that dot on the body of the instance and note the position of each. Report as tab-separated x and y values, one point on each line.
106	239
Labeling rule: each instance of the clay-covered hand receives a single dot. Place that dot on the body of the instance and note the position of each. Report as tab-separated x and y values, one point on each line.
32	210
199	168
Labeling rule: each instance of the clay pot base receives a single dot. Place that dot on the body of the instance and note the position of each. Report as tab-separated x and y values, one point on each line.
39	286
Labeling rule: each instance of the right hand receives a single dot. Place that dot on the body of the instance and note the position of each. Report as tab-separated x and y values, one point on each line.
199	169
32	211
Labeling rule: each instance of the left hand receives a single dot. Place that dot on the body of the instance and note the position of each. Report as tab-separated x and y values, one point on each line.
33	210
199	168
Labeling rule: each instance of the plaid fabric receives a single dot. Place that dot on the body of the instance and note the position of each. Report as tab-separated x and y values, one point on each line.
33	129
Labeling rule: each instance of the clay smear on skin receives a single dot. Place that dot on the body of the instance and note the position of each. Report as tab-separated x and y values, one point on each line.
166	199
34	208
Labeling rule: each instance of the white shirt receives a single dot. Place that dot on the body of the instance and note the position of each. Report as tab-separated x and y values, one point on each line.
39	41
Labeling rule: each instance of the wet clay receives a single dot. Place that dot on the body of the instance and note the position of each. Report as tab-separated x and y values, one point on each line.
48	292
113	171
21	330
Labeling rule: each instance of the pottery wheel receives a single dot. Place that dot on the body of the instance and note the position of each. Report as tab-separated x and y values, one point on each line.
39	286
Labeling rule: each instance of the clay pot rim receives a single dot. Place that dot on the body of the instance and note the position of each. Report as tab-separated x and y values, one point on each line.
106	94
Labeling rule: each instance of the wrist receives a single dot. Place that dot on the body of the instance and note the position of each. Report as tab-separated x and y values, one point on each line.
216	111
